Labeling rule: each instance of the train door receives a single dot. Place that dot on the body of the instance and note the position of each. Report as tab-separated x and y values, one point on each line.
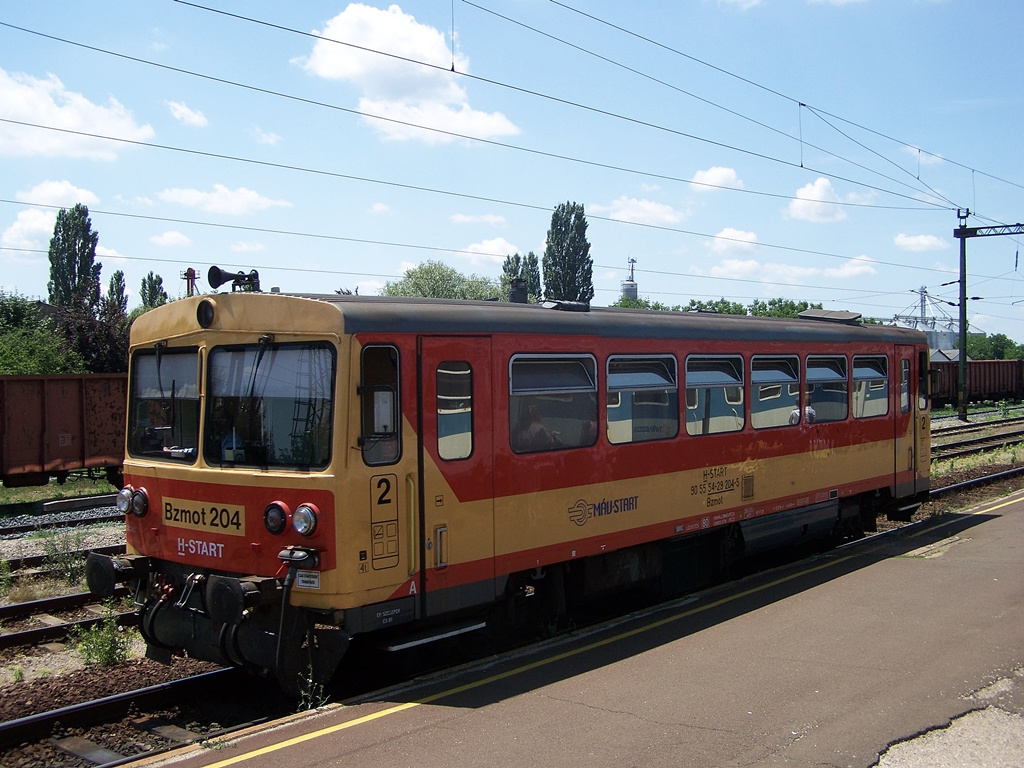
456	473
906	420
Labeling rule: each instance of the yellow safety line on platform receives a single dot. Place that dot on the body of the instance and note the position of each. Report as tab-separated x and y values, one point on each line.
516	671
561	656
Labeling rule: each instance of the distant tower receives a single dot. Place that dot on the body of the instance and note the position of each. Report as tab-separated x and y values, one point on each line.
628	285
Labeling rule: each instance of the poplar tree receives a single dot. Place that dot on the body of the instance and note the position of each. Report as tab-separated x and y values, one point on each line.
74	273
568	268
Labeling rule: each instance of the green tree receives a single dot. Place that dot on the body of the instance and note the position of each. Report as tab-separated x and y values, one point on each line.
722	306
436	280
116	301
568	268
642	303
780	307
28	343
153	293
74	275
526	268
998	346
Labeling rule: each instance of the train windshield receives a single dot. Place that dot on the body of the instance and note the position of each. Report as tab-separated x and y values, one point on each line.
270	405
163	416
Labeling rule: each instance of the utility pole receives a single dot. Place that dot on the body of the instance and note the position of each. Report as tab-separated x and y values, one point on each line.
962	233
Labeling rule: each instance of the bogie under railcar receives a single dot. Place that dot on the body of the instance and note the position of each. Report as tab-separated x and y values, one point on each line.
302	470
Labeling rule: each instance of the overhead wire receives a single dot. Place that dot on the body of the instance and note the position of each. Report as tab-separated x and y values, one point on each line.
538	94
490	142
475	197
770	90
800	139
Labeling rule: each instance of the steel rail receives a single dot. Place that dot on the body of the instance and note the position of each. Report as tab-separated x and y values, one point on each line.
41	725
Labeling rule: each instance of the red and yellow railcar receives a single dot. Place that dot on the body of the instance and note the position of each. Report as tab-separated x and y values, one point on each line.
300	470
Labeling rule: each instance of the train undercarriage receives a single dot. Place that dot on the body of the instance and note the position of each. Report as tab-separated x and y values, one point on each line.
249	621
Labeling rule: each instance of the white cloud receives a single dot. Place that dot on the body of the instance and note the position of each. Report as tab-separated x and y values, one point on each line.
716	176
490	252
32	229
62	193
775	272
396	89
234	202
488	218
171	239
730	240
47	102
108	253
919	243
246	247
817	202
639	211
861	266
741	4
380	208
265	137
181	113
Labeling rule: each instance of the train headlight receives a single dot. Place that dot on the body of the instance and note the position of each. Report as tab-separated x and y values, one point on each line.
304	519
124	500
206	310
140	502
275	517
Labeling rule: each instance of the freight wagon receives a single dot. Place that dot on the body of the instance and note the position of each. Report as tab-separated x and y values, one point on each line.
986	380
51	425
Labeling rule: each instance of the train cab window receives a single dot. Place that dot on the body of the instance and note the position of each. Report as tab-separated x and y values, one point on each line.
454	410
163	412
870	386
552	402
714	395
270	405
642	400
774	392
826	389
380	422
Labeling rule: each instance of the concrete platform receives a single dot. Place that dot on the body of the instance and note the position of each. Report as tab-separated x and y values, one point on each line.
827	662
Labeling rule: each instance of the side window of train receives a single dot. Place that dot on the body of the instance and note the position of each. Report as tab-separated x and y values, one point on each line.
552	402
904	386
714	395
774	391
870	386
826	389
454	410
380	418
642	399
924	386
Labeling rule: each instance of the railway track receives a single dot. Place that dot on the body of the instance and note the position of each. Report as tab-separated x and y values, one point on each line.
170	715
55	619
974	445
142	723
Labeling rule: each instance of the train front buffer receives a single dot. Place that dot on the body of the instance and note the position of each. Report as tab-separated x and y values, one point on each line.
193	600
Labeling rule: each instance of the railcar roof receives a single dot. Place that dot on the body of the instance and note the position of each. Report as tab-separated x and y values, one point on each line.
384	314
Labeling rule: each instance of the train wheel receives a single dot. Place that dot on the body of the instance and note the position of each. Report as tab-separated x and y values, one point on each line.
730	551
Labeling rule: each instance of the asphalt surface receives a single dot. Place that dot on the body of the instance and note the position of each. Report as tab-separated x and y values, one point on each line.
904	652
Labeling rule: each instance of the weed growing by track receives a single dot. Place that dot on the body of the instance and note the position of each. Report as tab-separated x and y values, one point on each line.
105	644
62	549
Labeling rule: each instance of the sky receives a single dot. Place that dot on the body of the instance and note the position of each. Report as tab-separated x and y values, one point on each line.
815	150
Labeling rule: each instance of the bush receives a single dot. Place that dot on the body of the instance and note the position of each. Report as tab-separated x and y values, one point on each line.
105	644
